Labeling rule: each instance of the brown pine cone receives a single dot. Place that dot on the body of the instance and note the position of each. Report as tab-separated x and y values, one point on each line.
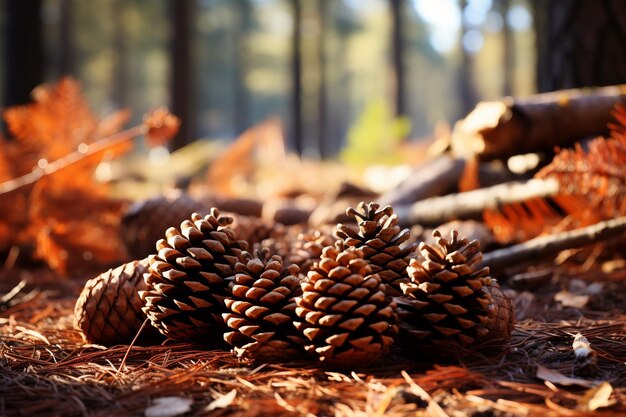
261	308
381	239
502	316
249	228
307	249
187	279
108	310
146	221
343	311
450	298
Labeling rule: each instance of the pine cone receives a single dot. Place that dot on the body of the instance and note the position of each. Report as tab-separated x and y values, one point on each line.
380	238
450	297
343	311
307	249
145	222
249	228
187	280
108	310
261	308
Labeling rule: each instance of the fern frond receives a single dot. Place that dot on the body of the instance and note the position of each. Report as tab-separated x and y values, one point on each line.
592	183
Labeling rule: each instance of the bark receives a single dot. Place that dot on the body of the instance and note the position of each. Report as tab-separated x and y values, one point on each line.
580	43
471	204
501	129
544	246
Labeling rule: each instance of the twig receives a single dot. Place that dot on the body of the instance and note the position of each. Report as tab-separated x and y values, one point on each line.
547	245
143	326
72	158
437	210
433	407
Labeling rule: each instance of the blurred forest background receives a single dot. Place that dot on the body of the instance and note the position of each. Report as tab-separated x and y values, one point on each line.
323	67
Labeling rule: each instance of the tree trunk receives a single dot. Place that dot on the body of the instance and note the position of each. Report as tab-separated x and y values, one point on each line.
120	40
466	73
23	51
580	43
323	138
296	76
182	100
241	51
66	61
397	47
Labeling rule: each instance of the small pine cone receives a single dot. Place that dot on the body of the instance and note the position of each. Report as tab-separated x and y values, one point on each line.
307	249
343	311
145	222
187	278
261	308
108	310
249	228
381	240
449	298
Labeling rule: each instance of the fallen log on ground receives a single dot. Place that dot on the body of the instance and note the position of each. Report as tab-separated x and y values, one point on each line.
471	204
508	127
551	244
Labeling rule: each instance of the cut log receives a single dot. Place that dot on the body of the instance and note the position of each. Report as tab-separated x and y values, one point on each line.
543	246
501	129
471	204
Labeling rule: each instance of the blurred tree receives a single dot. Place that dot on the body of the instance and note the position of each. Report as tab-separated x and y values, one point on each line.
121	74
296	75
467	89
241	52
580	43
323	137
66	60
181	82
23	50
398	52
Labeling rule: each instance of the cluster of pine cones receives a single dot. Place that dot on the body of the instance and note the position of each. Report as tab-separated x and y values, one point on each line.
342	298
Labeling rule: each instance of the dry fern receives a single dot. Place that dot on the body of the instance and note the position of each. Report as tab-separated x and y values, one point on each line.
592	185
49	200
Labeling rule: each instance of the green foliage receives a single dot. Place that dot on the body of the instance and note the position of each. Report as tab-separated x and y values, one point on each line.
375	137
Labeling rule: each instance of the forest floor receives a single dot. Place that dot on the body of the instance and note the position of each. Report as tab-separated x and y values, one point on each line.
46	369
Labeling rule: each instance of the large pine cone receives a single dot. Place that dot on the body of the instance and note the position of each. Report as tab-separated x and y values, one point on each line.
108	310
187	280
381	240
146	221
343	311
261	308
451	298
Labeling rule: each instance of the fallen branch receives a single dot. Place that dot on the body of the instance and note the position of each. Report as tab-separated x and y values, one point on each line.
437	177
471	204
549	245
501	129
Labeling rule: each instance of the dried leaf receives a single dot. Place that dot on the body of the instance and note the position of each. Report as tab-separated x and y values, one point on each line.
223	401
597	397
168	407
556	377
